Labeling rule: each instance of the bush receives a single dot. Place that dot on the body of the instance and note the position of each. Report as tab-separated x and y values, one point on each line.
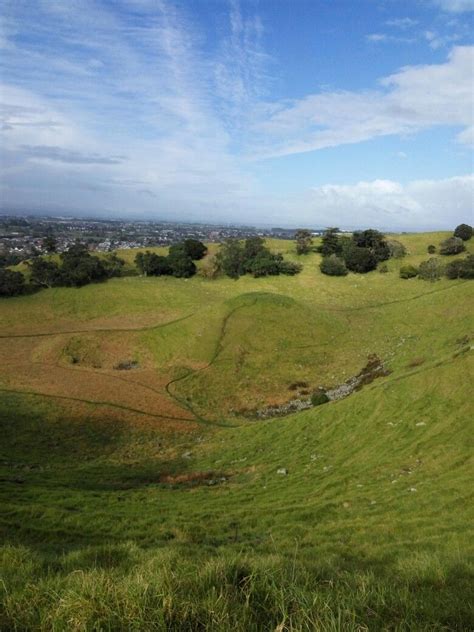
210	268
463	231
265	264
461	268
452	246
44	273
431	249
304	241
318	398
383	268
397	249
431	270
194	249
408	272
359	259
181	264
11	283
374	241
333	266
290	268
331	243
149	263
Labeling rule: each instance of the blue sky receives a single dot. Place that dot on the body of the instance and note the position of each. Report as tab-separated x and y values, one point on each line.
283	112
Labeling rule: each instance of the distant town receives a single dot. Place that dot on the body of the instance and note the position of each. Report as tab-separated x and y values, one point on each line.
23	236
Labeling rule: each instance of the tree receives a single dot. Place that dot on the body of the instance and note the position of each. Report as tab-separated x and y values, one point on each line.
333	266
331	243
265	263
12	282
290	267
431	270
452	246
181	264
195	249
50	244
374	241
149	263
408	272
79	267
210	268
44	273
231	258
360	259
113	264
461	268
253	247
396	248
304	241
431	249
463	231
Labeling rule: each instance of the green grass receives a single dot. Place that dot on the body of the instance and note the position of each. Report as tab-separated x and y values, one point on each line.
111	524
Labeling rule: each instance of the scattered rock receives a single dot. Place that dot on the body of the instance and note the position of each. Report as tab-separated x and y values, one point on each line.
187	455
282	470
413	489
127	365
420	423
346	505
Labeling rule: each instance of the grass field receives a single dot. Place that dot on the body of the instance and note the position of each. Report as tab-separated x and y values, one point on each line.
146	499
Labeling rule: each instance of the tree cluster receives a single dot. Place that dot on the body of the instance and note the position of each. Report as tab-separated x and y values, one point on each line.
455	244
252	257
178	263
76	267
359	253
433	269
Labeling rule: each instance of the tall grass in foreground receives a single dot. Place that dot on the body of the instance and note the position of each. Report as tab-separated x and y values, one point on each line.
121	587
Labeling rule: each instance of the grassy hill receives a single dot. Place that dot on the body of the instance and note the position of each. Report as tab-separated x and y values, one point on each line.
150	499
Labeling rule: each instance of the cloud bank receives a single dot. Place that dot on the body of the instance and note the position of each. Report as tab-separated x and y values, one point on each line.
125	108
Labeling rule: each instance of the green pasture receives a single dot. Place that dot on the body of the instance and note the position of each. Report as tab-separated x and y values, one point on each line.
368	526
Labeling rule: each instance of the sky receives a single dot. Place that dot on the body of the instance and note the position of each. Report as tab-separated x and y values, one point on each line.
349	113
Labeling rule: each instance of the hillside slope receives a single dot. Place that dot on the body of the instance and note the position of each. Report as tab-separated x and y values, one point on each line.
149	499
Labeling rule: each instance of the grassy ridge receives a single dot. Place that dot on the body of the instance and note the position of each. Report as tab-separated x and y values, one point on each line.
119	521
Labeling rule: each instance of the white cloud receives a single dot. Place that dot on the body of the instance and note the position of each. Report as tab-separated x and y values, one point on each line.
402	23
436	204
413	99
455	6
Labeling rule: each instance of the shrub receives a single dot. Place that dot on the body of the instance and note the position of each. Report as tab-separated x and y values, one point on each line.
194	249
180	263
290	268
463	231
210	268
44	273
452	246
461	268
304	241
11	283
396	248
359	259
408	272
374	241
431	249
152	264
333	266
331	243
431	270
383	268
318	398
265	264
